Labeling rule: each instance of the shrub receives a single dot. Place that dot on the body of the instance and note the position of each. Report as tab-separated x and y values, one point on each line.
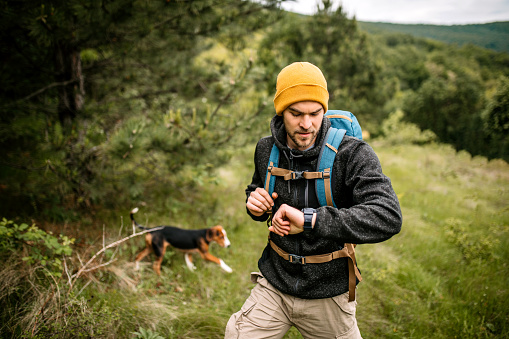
41	247
397	131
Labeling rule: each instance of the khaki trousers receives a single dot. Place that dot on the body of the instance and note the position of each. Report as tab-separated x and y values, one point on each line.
268	313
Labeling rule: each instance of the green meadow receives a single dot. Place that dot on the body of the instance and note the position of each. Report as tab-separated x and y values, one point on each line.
444	276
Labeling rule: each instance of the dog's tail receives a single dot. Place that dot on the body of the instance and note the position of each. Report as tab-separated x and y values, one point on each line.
134	210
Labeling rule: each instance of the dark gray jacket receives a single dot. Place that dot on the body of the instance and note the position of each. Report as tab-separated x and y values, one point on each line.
368	212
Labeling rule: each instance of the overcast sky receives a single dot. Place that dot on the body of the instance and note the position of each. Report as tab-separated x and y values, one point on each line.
438	12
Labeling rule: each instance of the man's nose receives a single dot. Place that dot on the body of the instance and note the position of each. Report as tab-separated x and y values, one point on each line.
305	121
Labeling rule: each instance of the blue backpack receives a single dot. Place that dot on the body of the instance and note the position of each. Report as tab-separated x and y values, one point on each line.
342	122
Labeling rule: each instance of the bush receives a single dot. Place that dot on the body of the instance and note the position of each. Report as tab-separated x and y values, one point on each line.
397	131
40	247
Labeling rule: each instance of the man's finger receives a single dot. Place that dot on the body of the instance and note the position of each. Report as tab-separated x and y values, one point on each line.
253	207
258	199
263	193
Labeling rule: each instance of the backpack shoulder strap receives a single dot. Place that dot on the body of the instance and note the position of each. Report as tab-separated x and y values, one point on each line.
325	163
273	162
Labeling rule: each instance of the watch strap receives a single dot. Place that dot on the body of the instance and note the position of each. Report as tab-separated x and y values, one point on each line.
308	218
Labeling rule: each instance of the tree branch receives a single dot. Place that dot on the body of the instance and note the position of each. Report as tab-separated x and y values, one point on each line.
44	89
84	268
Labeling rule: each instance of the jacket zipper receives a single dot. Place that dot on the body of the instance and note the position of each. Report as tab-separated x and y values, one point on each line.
295	198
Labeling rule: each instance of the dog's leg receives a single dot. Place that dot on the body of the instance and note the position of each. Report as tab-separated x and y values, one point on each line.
225	267
140	256
157	265
146	250
189	261
159	260
220	262
203	249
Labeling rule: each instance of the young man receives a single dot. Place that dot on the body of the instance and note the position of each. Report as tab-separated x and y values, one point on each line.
313	297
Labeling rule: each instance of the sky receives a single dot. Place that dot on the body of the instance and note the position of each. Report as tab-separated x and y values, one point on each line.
436	12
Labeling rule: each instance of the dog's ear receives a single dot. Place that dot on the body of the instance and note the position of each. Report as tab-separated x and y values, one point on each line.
215	232
210	234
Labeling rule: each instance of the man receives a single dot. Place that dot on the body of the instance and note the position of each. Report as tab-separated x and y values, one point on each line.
313	297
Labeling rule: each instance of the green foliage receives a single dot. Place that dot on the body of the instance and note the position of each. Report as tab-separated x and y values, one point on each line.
440	100
493	35
497	111
432	278
81	320
147	334
450	103
94	72
398	132
41	248
472	246
444	88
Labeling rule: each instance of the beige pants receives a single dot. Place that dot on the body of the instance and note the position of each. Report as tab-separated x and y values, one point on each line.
268	313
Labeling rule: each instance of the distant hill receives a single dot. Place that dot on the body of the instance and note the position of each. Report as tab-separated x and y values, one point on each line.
493	36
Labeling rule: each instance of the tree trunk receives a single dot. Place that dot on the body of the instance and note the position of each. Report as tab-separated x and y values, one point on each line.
71	96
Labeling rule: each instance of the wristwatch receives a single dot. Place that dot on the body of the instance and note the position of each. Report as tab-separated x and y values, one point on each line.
308	218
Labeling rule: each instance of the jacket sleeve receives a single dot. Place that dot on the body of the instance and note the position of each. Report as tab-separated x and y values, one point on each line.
374	213
258	179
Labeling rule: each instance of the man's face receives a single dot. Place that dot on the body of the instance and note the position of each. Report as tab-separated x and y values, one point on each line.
302	122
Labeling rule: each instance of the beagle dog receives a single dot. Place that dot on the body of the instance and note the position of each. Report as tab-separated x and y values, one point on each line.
188	241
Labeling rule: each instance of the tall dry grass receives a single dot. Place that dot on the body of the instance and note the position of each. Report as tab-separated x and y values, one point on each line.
444	276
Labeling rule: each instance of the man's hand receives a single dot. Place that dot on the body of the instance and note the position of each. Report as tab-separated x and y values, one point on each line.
287	220
259	201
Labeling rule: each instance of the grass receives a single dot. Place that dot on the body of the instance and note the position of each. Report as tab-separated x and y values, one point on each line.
444	276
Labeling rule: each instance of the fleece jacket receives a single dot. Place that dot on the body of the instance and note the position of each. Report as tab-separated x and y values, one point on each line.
368	211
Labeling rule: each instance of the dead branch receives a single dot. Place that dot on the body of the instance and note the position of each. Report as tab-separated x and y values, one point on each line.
84	268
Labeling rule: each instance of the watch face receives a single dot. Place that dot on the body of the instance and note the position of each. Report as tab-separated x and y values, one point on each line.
308	218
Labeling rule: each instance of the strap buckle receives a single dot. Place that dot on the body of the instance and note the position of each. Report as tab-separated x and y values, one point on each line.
296	259
297	175
269	219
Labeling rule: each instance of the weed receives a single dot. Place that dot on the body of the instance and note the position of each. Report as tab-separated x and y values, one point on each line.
147	334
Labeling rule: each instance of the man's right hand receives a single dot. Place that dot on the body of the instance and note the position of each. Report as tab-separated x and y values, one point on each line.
259	201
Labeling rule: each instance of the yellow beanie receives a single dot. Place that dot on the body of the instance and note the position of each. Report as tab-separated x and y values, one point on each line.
300	81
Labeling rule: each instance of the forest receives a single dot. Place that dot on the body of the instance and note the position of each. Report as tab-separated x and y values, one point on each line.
110	105
493	35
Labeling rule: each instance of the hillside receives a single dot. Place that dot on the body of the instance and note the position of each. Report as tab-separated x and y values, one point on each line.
443	276
493	36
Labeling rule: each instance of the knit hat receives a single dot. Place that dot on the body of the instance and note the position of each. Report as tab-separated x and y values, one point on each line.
300	81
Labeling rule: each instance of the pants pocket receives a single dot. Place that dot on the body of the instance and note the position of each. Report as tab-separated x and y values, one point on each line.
343	303
234	325
346	321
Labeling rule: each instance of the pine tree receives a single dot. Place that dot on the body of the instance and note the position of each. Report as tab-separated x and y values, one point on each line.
77	73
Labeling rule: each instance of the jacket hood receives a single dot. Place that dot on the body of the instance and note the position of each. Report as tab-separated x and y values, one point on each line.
278	130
